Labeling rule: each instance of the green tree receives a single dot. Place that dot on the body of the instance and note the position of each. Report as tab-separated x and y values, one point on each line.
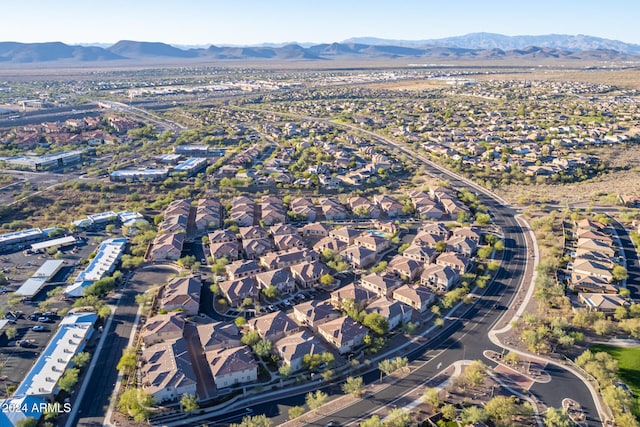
189	403
262	348
475	372
285	371
449	412
326	280
373	421
619	273
502	410
380	267
127	362
353	386
316	399
377	323
250	338
296	412
81	359
441	246
473	415
68	380
557	418
240	321
431	395
398	417
270	292
10	332
27	422
254	421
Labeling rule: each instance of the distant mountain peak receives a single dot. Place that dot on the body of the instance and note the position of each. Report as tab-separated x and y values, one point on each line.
484	40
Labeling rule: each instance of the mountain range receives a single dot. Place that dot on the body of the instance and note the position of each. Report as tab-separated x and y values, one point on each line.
484	46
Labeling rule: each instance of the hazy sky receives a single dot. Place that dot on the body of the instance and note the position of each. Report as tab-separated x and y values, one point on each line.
204	22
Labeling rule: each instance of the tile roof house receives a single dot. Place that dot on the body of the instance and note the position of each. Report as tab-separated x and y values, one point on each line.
330	243
284	242
456	261
437	229
221	236
292	348
228	250
282	230
218	335
303	207
255	248
591	284
439	278
237	290
280	278
415	296
424	238
273	326
332	210
363	207
315	229
462	245
182	292
419	253
358	256
343	333
232	366
406	268
166	371
345	234
374	243
162	327
288	258
588	245
395	312
389	205
605	303
591	268
314	313
208	215
241	268
308	274
472	233
381	284
358	293
253	232
167	247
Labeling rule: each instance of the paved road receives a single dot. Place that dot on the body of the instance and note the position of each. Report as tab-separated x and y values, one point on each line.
95	402
631	255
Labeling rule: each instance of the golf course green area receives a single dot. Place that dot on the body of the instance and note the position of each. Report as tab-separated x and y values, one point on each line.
628	366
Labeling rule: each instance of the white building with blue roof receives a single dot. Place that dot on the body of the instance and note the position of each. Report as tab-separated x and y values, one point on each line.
40	385
102	265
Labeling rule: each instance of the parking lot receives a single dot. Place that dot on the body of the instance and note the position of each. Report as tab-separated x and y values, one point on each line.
18	354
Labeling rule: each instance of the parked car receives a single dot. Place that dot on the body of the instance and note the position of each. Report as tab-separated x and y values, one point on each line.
38	328
44	319
25	344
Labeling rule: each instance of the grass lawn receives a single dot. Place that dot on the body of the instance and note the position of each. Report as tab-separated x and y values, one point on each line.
628	366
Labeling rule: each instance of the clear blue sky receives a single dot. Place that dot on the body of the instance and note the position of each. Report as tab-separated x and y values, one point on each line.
204	22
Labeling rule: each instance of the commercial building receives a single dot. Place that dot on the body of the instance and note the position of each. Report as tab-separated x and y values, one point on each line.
139	175
10	240
103	264
33	285
190	166
60	242
48	162
41	382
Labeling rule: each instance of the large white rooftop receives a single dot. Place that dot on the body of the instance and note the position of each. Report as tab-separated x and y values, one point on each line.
33	285
68	340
